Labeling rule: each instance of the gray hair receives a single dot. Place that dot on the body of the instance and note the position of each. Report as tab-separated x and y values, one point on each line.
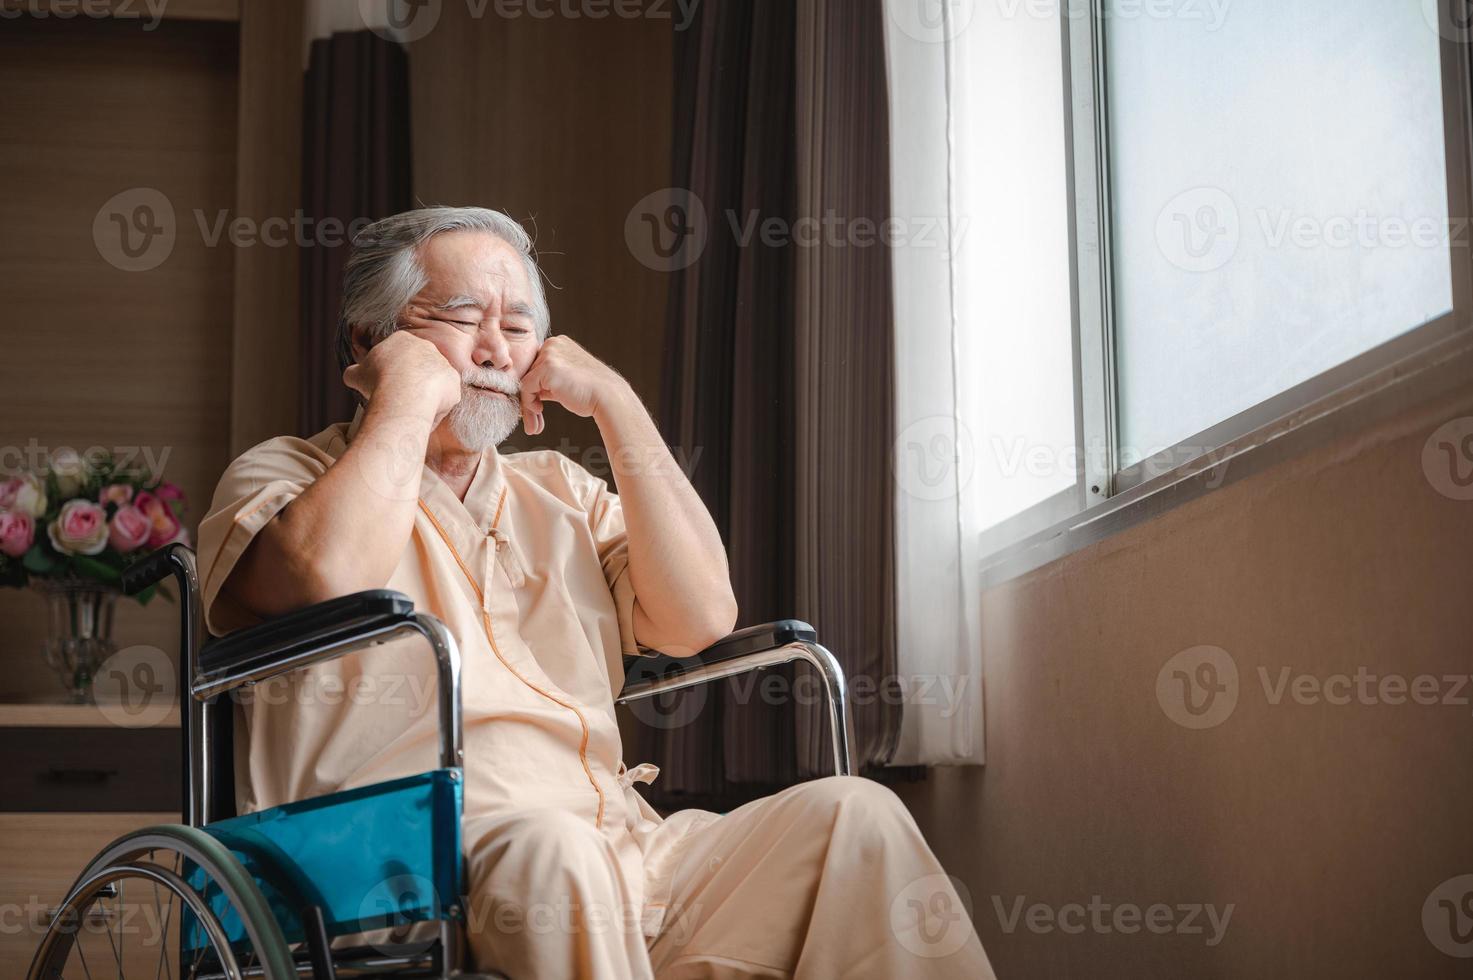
383	272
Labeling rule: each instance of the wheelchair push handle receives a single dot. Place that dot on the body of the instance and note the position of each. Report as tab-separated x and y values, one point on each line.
154	567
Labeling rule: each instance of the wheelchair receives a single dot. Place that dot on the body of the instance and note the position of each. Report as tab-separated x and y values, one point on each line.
310	888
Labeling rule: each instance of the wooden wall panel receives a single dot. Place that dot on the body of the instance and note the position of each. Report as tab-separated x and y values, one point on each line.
92	354
1324	826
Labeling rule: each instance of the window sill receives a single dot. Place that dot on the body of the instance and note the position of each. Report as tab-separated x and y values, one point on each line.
1437	369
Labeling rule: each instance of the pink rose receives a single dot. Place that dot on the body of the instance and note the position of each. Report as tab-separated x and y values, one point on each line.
80	528
17	531
164	525
168	491
115	493
129	529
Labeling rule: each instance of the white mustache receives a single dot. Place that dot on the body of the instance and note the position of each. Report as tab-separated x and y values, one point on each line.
495	380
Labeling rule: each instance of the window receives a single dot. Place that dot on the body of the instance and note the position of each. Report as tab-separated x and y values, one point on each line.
1181	222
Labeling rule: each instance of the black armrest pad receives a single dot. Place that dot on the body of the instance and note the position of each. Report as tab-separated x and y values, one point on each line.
752	639
306	629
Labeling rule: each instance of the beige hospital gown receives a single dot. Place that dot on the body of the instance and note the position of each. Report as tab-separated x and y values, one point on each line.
569	871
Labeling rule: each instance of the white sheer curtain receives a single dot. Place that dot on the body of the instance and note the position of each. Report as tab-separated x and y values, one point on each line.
985	413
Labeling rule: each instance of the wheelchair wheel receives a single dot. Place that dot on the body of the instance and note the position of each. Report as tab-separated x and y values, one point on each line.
122	917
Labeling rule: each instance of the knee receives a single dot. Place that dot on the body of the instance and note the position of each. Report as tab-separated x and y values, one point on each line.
540	846
845	795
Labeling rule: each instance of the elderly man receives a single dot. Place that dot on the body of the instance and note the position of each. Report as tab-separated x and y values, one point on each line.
547	579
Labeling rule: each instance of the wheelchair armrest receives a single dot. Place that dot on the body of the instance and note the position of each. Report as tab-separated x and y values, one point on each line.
733	646
283	642
753	648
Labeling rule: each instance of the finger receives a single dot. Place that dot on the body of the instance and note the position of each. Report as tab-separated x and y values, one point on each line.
531	389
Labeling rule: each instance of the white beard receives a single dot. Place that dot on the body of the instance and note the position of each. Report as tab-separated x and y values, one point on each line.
483	419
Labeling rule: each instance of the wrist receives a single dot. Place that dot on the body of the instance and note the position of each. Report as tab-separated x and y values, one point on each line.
617	405
398	401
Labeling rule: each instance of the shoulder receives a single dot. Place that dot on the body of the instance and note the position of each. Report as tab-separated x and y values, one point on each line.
282	458
557	474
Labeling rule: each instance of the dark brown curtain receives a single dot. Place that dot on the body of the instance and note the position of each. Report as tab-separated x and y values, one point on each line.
779	373
355	168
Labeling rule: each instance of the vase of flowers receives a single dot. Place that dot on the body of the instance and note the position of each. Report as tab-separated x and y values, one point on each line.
68	532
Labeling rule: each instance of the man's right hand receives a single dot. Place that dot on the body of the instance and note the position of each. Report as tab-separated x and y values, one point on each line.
410	372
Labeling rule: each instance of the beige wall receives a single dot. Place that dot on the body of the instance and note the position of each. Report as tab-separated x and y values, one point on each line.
1324	826
94	355
563	124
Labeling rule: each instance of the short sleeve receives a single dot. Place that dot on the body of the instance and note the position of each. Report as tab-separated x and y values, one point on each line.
252	491
606	521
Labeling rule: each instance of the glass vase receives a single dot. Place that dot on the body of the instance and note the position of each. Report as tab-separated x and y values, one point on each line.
79	632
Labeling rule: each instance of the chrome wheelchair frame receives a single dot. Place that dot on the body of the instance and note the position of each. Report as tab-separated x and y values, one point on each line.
209	671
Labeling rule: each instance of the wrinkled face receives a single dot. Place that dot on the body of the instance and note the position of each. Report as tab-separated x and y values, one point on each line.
476	308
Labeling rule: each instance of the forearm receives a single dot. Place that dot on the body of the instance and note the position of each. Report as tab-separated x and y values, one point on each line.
677	563
316	548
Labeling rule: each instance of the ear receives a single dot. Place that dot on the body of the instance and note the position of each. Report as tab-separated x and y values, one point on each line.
359	334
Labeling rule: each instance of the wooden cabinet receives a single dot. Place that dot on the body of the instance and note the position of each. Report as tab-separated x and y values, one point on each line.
71	783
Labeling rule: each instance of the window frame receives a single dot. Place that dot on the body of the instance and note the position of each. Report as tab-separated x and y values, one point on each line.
1109	497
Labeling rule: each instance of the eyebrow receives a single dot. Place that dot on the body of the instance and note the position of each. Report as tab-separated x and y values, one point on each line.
521	309
459	303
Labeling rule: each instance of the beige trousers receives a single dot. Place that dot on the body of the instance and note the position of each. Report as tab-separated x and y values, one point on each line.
829	878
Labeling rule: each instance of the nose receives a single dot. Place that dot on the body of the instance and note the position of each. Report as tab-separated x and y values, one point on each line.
492	350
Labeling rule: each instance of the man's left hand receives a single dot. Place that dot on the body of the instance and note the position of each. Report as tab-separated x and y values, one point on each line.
565	373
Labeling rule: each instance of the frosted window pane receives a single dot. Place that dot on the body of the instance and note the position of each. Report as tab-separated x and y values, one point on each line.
1280	198
1012	259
